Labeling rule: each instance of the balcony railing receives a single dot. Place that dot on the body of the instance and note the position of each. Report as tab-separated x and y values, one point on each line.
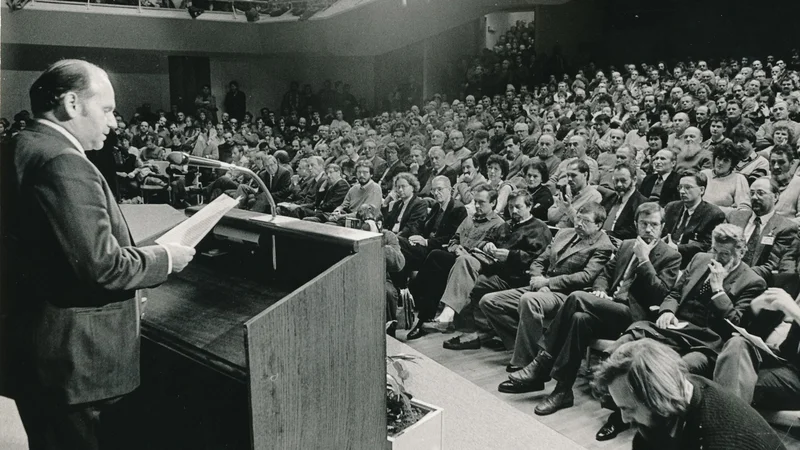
252	10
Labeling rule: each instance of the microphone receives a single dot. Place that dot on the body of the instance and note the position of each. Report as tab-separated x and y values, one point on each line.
182	159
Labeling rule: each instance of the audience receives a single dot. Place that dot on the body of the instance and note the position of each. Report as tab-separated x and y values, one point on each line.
461	185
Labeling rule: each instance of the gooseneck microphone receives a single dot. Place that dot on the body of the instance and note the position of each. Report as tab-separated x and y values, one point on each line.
182	159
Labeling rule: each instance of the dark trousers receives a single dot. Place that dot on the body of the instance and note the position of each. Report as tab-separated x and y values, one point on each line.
486	284
86	426
429	284
582	318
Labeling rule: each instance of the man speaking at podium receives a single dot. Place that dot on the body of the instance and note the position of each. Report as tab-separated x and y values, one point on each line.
69	328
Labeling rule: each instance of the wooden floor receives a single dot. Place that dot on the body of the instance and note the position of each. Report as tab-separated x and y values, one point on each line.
486	369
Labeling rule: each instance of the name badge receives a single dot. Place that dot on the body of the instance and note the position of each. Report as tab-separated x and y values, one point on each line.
768	240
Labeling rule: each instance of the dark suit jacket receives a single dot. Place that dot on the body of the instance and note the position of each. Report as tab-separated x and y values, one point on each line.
577	267
525	243
625	228
413	219
279	185
332	196
669	191
387	178
740	287
697	234
70	274
652	280
454	214
447	171
378	168
780	255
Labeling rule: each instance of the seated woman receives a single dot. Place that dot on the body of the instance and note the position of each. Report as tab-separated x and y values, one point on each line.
536	174
496	171
726	188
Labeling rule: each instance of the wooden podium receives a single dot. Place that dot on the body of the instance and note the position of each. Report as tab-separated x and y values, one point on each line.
272	338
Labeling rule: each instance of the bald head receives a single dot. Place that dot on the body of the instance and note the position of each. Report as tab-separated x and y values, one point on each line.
65	77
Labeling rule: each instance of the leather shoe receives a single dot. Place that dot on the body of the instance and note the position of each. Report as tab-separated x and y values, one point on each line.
557	400
515	387
441	327
538	370
457	344
613	426
416	333
511	368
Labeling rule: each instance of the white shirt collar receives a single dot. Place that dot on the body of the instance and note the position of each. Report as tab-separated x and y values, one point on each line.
764	219
65	133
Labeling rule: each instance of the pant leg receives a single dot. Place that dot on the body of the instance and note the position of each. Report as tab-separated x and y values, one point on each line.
534	309
501	311
777	388
428	286
391	300
68	427
699	363
485	285
737	368
582	318
460	282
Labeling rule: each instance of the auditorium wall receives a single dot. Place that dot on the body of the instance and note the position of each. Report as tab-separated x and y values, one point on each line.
138	76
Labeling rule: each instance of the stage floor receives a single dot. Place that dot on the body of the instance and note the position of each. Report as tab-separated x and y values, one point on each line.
486	369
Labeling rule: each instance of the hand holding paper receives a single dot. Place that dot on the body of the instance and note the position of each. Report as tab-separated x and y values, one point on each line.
190	232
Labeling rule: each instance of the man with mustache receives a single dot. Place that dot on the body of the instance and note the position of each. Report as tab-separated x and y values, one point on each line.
574	192
769	236
621	206
644	270
673	409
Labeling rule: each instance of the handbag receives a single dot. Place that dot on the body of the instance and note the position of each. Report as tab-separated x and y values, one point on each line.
406	317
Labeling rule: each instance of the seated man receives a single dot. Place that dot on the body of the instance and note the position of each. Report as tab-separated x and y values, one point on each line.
364	192
757	376
770	238
524	239
469	178
642	274
670	408
573	193
406	216
474	232
622	205
662	185
372	220
691	220
715	287
328	198
393	166
441	223
572	261
302	183
438	167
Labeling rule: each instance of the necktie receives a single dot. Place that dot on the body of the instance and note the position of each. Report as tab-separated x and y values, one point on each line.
655	193
678	233
753	242
612	215
627	280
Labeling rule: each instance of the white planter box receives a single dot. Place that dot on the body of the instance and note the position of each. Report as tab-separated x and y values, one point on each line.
423	435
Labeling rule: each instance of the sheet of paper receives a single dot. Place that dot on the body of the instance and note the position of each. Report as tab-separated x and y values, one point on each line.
755	340
191	231
678	326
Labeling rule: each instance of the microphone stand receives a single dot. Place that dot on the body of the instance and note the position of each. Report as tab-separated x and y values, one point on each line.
261	185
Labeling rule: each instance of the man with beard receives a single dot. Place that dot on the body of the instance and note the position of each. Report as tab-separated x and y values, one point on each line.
495	266
474	232
622	205
692	157
573	193
782	167
672	409
662	185
571	262
769	236
364	192
716	287
644	271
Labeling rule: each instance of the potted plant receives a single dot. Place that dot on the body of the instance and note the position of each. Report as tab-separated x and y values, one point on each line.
410	423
